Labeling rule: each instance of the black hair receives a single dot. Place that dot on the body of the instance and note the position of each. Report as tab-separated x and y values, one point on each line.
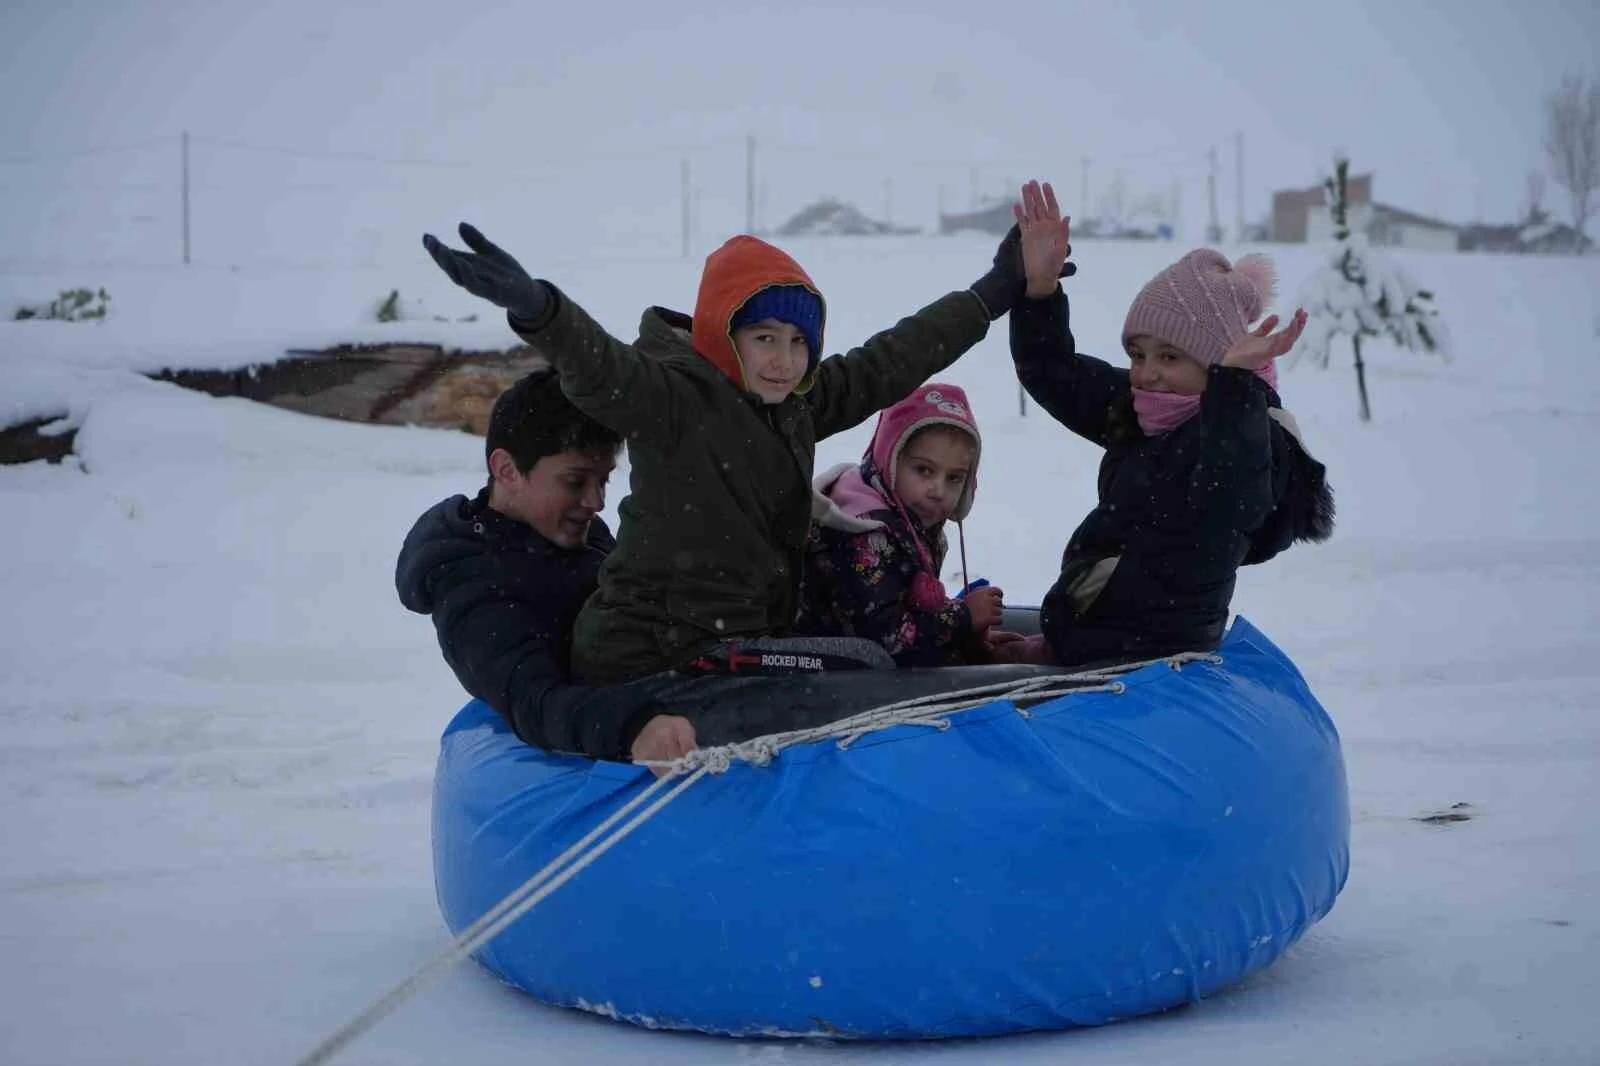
534	418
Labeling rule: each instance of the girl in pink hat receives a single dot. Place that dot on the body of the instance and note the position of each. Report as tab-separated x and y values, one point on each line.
874	557
1204	471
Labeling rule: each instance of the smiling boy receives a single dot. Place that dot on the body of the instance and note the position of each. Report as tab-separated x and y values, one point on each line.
504	574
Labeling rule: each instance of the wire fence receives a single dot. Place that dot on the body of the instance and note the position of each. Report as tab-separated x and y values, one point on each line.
221	201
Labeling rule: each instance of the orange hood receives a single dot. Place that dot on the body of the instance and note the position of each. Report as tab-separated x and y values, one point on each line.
742	267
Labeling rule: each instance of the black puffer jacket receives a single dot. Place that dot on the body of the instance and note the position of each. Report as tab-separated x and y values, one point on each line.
503	599
1151	570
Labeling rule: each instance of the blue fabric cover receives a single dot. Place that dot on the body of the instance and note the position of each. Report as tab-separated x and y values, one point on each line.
1111	855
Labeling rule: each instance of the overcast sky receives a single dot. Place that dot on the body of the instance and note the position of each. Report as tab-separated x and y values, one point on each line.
1441	99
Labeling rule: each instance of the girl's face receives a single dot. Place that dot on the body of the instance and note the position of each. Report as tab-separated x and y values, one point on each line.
775	358
1157	366
932	471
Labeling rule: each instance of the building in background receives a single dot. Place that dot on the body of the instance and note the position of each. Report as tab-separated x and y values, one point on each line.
1302	216
1143	224
1537	234
835	218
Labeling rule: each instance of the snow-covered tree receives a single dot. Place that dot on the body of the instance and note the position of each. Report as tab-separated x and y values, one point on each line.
1359	294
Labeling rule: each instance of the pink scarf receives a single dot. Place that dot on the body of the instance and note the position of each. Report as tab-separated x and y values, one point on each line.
1162	412
854	496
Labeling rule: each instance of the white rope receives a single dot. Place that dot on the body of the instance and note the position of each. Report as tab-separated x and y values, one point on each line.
523	899
927	710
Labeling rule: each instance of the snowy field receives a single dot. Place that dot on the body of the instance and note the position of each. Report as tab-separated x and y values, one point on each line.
218	726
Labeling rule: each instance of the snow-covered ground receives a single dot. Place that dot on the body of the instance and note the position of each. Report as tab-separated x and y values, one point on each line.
218	726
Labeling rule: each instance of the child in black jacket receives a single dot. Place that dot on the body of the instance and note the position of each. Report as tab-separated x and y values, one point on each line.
1203	471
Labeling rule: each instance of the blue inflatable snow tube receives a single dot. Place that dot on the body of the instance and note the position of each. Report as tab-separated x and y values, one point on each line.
1107	855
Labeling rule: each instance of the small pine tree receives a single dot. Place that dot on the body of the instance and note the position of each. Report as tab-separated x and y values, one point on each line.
389	309
1360	294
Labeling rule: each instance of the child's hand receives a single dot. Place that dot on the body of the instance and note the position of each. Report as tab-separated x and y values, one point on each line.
1045	238
986	606
664	738
490	273
1016	262
1261	346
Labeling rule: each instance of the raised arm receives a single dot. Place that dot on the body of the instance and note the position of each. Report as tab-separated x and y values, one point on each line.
1232	479
1076	390
850	388
613	383
609	381
1232	487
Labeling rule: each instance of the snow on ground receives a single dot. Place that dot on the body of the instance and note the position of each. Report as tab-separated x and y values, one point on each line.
218	726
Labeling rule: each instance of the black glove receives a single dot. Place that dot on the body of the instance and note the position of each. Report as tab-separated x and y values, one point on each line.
1004	284
489	272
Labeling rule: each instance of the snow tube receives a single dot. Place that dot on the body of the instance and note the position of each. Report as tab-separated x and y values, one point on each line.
1106	854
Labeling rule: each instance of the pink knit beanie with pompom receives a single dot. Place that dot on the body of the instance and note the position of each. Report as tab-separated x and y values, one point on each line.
1201	304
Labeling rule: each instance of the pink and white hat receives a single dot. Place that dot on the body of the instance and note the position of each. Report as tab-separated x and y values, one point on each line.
932	404
1202	304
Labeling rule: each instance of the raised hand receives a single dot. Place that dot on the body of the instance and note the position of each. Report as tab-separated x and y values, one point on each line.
1261	346
489	272
1044	238
1007	279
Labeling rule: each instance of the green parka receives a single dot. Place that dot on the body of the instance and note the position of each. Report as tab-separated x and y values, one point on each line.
714	526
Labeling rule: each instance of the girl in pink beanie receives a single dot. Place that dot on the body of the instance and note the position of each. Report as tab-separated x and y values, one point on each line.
1203	470
874	556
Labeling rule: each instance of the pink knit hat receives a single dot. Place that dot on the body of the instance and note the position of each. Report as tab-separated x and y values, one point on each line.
1202	305
933	404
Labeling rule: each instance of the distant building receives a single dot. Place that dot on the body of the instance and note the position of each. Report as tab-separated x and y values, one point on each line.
995	219
1138	226
1554	238
834	218
1394	228
1292	208
1495	237
1301	216
1536	235
1257	232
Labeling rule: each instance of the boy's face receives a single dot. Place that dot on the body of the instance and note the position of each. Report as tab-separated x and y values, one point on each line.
775	357
558	496
1156	366
932	471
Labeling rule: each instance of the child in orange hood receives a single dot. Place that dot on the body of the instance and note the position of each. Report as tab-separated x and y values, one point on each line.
721	413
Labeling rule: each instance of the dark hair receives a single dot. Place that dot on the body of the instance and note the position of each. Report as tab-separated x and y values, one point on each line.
534	418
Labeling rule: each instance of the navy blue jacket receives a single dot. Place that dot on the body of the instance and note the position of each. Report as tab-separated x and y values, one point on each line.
503	599
1151	570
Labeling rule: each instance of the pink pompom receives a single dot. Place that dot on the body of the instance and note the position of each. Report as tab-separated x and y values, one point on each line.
1262	276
